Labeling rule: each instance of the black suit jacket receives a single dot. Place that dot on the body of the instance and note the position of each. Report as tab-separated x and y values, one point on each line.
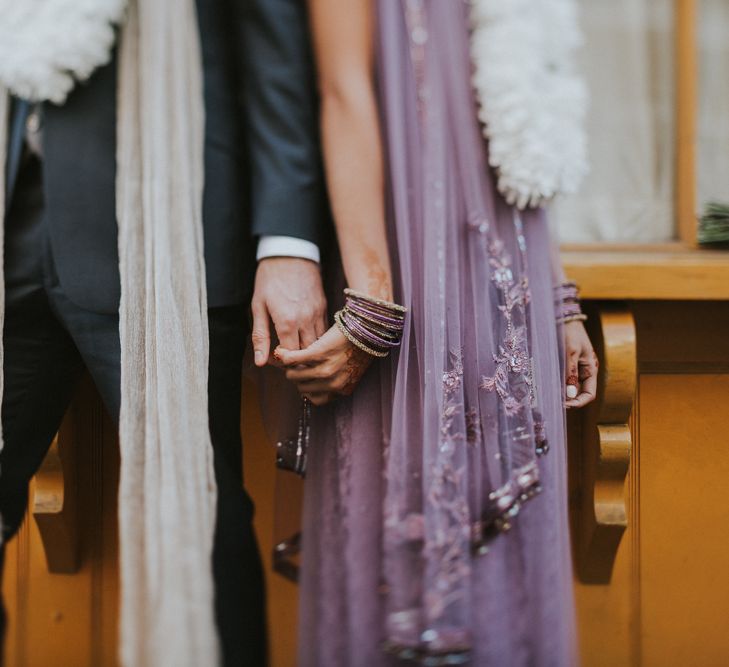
262	161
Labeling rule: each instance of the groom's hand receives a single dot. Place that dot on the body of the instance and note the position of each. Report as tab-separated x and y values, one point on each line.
289	293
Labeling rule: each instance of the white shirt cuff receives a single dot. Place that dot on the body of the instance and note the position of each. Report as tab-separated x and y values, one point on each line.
287	246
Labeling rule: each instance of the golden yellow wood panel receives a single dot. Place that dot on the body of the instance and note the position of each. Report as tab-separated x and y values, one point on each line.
605	611
684	515
668	596
683	336
69	620
605	614
669	272
259	468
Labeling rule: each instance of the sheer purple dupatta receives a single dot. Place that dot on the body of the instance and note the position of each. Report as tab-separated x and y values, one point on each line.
426	536
482	355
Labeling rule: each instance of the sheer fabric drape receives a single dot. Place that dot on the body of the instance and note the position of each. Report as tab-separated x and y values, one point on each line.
627	61
402	552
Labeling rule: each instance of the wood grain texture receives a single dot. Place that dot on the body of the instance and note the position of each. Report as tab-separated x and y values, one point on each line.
667	597
670	272
54	505
666	602
69	620
684	548
606	445
687	71
260	478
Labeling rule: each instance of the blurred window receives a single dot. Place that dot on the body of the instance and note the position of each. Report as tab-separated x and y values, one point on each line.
713	111
628	61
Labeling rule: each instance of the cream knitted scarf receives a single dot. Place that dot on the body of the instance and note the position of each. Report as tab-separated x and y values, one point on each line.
167	492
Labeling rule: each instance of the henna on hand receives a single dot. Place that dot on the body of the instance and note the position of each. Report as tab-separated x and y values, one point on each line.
378	277
355	367
329	367
582	362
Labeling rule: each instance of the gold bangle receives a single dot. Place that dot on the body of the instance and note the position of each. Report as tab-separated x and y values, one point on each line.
573	318
380	302
372	325
353	340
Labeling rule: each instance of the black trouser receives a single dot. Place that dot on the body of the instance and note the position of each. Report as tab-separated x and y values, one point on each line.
49	341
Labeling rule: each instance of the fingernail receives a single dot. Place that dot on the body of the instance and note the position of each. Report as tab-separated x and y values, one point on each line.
258	355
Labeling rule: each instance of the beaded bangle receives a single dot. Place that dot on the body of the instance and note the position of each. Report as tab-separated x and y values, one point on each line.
567	292
353	340
570	309
369	335
567	303
373	325
373	316
387	306
572	318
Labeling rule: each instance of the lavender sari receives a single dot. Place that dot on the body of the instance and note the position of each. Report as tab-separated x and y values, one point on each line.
435	520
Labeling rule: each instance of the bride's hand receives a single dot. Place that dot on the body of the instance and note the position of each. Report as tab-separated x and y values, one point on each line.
329	367
581	366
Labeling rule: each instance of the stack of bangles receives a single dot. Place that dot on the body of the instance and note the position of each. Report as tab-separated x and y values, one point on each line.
373	325
567	301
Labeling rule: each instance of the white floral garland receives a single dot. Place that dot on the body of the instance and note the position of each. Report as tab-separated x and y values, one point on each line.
46	46
532	102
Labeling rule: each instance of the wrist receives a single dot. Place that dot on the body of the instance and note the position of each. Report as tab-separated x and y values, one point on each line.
382	292
567	303
370	275
287	246
371	324
288	261
376	285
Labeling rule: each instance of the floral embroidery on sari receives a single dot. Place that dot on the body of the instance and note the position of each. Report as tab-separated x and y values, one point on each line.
448	545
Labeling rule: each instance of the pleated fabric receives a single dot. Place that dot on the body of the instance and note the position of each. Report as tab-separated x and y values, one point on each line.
167	492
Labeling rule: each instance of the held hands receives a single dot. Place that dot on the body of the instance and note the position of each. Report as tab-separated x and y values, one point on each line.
329	367
332	366
582	366
365	327
322	364
289	293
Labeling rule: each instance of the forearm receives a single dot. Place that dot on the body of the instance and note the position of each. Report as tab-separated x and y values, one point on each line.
354	169
558	274
344	46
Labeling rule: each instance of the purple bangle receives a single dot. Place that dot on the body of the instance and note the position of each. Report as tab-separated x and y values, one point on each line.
354	340
373	325
567	302
361	341
373	301
566	295
375	318
379	338
570	308
366	335
376	308
561	314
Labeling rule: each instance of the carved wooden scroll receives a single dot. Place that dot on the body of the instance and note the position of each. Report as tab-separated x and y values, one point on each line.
606	444
53	503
